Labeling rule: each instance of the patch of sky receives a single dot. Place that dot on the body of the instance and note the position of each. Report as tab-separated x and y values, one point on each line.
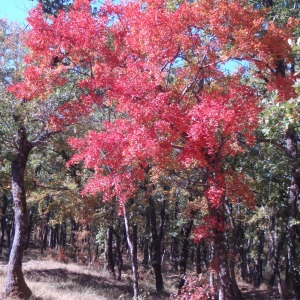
233	66
16	10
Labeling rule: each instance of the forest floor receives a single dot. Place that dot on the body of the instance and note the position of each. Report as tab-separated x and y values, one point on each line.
52	280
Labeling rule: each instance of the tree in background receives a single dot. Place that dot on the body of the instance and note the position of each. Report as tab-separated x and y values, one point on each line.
279	134
23	128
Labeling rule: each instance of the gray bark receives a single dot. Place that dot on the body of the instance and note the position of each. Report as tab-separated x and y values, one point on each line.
133	256
15	285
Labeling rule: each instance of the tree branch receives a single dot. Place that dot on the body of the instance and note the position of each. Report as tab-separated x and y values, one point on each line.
273	142
44	137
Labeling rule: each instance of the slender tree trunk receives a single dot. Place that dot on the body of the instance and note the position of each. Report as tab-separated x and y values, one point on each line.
109	258
73	242
146	239
63	234
186	232
56	241
227	290
133	256
155	247
163	220
175	242
118	254
198	258
293	192
44	237
134	239
278	244
49	244
201	257
29	229
9	233
243	251
293	262
45	230
15	284
89	248
175	253
257	275
3	220
233	241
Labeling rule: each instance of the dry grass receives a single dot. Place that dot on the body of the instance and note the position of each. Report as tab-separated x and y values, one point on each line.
52	280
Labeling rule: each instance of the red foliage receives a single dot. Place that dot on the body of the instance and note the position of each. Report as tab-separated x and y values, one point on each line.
160	67
195	288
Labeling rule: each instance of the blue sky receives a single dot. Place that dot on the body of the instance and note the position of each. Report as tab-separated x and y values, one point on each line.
16	10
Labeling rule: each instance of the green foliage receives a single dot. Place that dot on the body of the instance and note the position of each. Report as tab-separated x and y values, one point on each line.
278	117
52	7
279	11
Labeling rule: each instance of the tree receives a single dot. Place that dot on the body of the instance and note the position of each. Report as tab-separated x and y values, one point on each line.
23	128
279	130
160	67
12	55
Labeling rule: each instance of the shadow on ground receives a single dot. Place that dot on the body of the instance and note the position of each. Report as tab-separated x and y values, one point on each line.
61	275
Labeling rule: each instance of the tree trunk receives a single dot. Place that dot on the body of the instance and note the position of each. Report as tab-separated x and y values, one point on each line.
227	290
133	256
63	234
29	229
201	257
293	193
9	233
198	259
109	257
257	272
186	232
3	221
175	242
74	247
15	285
163	220
45	231
293	263
56	236
118	254
244	266
44	238
276	255
146	239
155	247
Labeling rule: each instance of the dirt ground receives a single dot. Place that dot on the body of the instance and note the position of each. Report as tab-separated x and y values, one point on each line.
52	280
